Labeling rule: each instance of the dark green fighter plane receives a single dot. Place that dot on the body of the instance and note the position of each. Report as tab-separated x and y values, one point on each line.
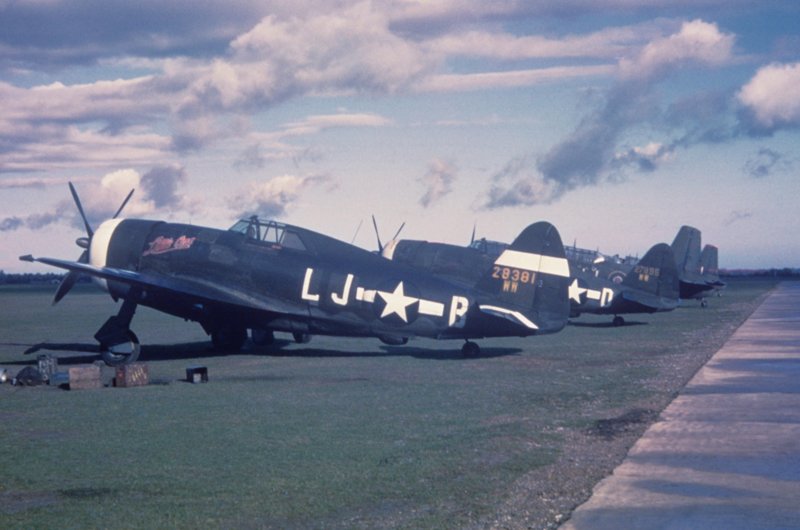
694	285
650	286
267	276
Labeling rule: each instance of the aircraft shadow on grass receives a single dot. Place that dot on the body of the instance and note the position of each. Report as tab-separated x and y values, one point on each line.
198	350
600	325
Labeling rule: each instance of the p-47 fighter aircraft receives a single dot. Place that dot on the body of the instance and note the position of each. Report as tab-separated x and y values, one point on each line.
651	286
686	247
268	276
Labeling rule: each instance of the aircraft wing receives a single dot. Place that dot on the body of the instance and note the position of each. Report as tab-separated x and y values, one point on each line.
201	290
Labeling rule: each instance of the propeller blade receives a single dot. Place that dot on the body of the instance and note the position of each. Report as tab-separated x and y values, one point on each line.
352	242
472	238
80	210
377	234
399	230
121	206
69	280
65	285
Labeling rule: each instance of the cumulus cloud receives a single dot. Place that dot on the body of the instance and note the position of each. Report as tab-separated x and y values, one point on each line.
770	100
697	42
646	158
590	154
160	185
438	181
348	50
519	184
155	191
272	198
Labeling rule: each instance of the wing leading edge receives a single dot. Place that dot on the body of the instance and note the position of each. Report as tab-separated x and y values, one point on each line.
194	288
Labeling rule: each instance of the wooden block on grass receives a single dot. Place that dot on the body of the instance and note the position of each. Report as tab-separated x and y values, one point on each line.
83	377
134	374
197	374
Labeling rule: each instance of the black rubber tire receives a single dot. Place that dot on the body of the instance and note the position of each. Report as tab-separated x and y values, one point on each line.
114	355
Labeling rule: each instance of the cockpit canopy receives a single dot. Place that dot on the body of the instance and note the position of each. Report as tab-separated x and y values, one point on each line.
490	248
270	232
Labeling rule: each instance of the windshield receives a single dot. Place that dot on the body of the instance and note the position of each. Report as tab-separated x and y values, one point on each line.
271	232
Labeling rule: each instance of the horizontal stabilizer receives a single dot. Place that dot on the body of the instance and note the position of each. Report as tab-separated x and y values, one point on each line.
508	314
658	303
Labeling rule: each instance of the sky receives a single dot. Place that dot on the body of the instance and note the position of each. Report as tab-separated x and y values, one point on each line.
616	120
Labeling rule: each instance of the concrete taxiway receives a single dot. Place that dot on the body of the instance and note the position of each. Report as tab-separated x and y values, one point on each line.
726	452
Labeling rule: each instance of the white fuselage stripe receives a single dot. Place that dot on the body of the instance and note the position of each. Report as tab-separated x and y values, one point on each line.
534	262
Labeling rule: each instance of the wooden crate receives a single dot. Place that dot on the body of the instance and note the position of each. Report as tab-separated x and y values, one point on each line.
197	374
83	377
134	374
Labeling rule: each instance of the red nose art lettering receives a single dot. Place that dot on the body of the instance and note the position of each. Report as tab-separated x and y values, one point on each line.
162	245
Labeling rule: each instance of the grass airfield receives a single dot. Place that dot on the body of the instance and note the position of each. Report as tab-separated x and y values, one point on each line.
336	433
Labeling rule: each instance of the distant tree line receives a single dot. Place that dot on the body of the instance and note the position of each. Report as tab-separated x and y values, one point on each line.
785	272
30	278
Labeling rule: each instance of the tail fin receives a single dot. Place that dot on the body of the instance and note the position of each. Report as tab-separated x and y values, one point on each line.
709	266
528	282
656	273
686	247
709	263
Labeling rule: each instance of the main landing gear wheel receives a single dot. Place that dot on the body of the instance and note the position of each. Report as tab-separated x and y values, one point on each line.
470	349
618	321
122	353
228	338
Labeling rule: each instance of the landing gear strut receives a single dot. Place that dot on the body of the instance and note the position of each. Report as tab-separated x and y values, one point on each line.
118	344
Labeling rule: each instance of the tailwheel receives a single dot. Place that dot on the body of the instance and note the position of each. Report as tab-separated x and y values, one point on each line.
618	321
121	353
470	349
227	338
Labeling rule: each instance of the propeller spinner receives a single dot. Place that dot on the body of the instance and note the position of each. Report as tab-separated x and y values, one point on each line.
83	242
